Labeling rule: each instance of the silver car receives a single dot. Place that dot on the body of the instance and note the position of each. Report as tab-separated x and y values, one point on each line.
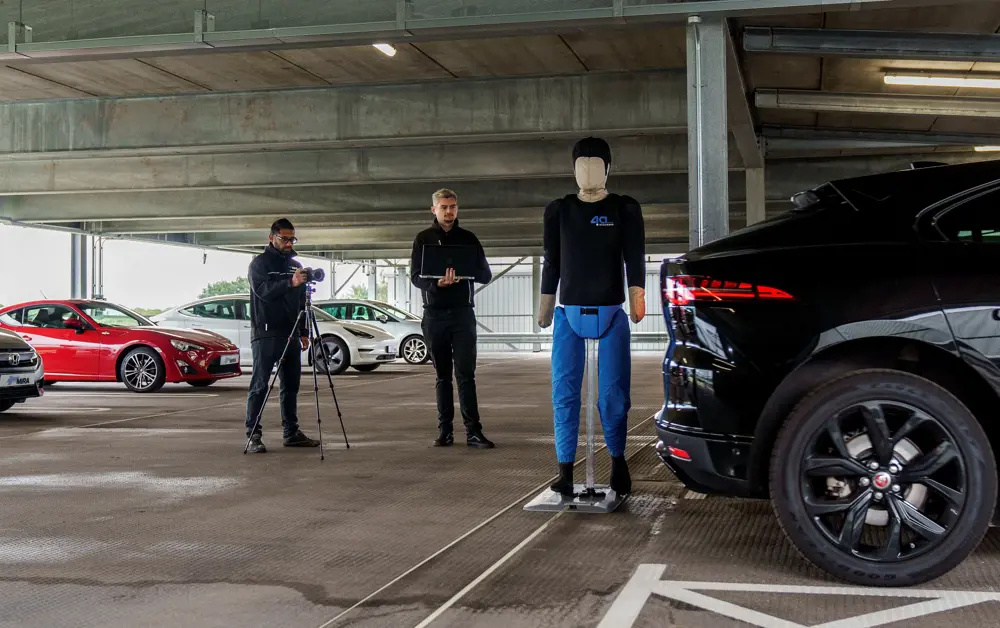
21	371
363	347
401	324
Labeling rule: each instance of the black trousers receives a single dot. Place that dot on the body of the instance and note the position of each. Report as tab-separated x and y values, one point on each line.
266	353
450	335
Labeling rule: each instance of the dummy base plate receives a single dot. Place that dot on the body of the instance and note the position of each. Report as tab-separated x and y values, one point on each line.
604	501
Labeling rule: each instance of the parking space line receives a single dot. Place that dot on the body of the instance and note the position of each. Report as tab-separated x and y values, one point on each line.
243	401
492	518
444	607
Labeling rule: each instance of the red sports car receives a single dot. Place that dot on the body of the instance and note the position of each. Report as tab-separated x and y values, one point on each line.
94	341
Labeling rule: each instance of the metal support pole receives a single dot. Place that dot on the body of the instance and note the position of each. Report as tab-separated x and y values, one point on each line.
333	278
372	281
536	298
708	130
78	266
756	199
591	406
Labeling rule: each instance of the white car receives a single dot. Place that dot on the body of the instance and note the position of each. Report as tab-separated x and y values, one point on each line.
399	323
21	371
363	347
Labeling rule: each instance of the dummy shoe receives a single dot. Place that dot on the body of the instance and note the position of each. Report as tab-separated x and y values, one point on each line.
564	485
621	481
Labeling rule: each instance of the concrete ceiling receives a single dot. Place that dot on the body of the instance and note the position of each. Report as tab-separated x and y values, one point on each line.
207	148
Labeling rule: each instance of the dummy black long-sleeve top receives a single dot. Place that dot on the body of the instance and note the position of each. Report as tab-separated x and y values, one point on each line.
585	246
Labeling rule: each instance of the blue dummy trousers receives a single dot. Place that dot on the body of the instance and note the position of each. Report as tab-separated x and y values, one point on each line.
614	374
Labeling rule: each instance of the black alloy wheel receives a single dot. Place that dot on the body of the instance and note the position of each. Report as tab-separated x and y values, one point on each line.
883	478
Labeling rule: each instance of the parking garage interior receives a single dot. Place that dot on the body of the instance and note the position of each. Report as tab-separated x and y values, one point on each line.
197	124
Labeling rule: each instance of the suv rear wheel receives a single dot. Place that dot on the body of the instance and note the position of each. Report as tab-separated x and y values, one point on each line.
883	478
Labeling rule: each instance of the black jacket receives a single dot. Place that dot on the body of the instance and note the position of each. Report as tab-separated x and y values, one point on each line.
274	303
461	294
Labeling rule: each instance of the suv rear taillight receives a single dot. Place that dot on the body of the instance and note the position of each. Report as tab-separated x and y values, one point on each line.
685	289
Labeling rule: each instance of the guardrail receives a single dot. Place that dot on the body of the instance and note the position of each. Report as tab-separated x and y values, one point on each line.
546	338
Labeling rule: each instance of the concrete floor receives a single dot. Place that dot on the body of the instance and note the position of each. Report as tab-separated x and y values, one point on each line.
141	510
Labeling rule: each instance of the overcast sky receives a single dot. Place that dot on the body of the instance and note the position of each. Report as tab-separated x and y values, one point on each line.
136	274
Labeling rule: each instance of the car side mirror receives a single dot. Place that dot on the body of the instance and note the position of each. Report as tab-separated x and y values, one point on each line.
76	324
382	318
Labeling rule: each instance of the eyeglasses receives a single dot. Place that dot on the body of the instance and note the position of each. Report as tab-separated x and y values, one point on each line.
288	240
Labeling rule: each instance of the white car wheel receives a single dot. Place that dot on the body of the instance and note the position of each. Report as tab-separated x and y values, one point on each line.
414	350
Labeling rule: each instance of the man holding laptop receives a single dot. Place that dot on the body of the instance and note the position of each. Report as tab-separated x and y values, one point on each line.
445	263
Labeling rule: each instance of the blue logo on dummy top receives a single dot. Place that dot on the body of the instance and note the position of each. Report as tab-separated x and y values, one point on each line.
601	221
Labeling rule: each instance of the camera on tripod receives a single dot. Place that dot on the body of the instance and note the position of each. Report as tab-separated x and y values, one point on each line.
314	275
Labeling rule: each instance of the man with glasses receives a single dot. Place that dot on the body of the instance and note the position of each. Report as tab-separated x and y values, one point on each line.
277	295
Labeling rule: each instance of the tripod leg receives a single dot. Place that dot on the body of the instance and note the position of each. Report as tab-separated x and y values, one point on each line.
274	378
310	318
329	378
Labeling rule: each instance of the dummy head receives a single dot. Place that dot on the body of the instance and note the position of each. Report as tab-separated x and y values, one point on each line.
591	163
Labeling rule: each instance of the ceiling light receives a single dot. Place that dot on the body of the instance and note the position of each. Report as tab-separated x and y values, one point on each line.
387	49
927	80
987	149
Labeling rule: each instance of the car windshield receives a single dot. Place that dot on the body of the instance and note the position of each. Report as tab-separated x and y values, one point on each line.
398	313
114	316
323	316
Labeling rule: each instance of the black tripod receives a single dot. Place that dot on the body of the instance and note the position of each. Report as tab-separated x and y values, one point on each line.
313	327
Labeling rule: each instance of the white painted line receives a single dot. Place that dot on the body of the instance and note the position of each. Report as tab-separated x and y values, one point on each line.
628	605
47	410
452	544
129	395
241	402
486	574
646	582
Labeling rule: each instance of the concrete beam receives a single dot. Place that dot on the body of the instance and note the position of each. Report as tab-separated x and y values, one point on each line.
741	119
806	137
428	113
873	44
897	104
305	200
385	218
305	168
116	29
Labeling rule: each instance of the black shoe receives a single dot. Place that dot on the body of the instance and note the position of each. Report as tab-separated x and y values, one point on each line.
621	481
446	439
300	440
564	485
256	446
477	440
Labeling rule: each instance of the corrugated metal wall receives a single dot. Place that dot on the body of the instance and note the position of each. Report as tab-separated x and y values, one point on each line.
506	305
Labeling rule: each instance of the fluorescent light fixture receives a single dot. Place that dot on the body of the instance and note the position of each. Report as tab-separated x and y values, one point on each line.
987	149
388	49
929	80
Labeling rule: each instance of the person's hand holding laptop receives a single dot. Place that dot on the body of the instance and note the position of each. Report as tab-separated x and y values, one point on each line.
449	264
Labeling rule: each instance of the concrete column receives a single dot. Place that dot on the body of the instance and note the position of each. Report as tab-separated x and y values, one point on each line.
708	130
536	297
756	200
333	278
78	266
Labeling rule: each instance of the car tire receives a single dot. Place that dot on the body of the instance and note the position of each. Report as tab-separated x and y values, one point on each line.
366	368
827	434
6	404
142	370
414	350
202	383
338	353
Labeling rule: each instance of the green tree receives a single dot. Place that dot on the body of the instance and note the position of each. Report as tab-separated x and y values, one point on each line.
361	292
147	312
240	285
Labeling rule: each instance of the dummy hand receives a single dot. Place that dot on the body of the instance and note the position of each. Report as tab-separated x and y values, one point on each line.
637	303
546	310
304	341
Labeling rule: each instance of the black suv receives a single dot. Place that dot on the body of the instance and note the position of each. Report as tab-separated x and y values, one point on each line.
843	360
